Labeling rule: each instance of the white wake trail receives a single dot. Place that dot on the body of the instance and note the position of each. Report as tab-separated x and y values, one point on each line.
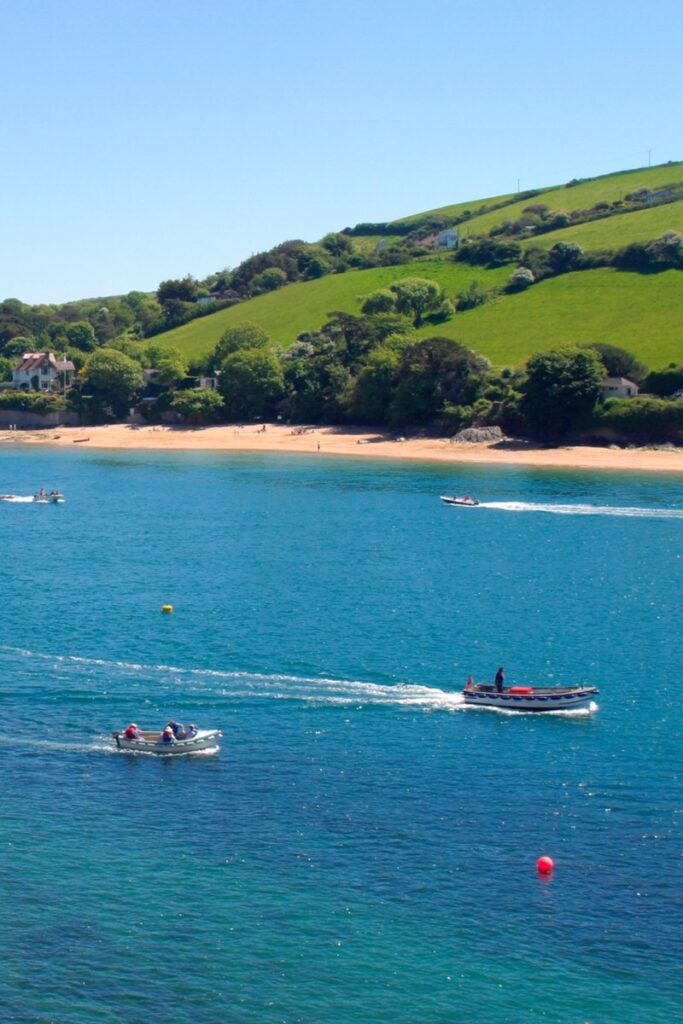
584	510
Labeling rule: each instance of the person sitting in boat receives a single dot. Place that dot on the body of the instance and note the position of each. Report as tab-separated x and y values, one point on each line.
132	732
191	731
499	680
177	728
167	735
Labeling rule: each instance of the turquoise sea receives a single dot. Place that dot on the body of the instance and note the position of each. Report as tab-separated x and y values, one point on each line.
362	850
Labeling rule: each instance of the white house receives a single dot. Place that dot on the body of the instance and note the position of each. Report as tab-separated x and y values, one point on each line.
619	387
40	371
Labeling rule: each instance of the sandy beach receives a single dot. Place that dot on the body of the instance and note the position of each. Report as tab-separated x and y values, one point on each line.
325	441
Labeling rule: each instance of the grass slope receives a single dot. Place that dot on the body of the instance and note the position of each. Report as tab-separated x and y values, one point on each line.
582	196
615	232
305	306
641	313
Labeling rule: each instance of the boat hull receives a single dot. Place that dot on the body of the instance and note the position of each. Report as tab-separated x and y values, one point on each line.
541	699
206	739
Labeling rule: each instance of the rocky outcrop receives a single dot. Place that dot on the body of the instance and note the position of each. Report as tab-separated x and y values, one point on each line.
478	435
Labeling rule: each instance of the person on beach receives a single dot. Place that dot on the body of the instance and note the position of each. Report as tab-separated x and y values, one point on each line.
499	680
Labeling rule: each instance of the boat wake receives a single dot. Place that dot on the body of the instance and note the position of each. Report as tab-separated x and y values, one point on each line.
89	680
19	499
584	510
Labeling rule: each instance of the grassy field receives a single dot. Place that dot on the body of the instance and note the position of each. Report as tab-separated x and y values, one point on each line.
615	232
641	313
456	209
583	196
304	307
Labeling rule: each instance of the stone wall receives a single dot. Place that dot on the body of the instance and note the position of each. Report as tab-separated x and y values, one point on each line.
24	419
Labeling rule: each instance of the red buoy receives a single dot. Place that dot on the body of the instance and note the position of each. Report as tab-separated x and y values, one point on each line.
545	865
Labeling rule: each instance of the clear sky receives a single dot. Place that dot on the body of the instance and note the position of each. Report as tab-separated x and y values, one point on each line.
144	140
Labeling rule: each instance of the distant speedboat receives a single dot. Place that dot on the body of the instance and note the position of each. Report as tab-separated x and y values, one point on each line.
529	698
152	742
455	500
53	498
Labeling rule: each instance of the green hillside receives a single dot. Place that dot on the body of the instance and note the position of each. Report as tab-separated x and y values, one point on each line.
619	230
572	197
641	312
305	306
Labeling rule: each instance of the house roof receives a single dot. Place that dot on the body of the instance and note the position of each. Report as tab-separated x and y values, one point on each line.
32	361
619	382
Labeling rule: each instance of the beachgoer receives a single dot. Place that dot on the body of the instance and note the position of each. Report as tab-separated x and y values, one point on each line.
499	680
132	732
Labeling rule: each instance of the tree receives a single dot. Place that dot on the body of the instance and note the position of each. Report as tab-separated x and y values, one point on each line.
113	377
665	382
184	290
381	301
251	382
419	297
618	362
561	390
198	405
241	335
6	367
374	387
81	335
565	256
268	280
171	368
432	373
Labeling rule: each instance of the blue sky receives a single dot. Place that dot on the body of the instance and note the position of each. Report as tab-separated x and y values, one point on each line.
148	140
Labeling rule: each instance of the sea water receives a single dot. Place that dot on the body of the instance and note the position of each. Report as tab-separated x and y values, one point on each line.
362	850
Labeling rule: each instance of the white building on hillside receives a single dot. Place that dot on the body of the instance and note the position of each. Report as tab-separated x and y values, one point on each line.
40	371
619	387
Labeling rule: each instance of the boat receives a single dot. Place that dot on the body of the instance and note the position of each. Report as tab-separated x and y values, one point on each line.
529	698
53	498
152	742
454	499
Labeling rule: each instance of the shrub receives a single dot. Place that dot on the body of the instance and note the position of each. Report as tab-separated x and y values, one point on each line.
32	401
644	418
520	280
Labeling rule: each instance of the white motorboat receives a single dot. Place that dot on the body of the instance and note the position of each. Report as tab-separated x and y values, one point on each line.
53	498
154	743
454	499
530	698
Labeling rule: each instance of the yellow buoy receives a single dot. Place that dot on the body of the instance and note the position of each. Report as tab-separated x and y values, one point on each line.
167	608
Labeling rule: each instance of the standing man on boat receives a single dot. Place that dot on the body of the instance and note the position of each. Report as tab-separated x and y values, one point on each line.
499	680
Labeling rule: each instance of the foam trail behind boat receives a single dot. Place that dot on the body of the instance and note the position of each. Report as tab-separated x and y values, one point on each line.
583	510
